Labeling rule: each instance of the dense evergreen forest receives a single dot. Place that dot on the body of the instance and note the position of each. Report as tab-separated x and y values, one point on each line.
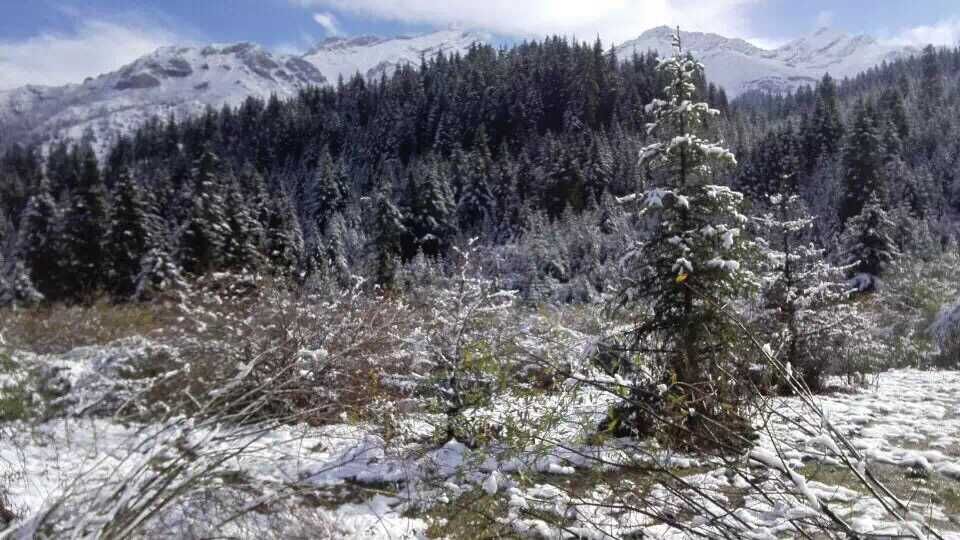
526	148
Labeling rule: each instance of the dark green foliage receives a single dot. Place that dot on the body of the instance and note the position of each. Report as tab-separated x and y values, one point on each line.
284	237
134	231
430	220
39	247
863	160
244	236
474	144
869	246
202	248
390	233
85	231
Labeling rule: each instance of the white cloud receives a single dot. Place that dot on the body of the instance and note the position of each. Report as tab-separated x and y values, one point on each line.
93	47
612	20
945	32
328	22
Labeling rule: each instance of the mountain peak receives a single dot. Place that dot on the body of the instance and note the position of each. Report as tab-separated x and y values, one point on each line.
373	56
740	67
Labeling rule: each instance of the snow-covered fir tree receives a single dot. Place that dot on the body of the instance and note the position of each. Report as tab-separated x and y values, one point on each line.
244	239
284	236
39	246
390	231
805	310
85	230
868	245
204	240
135	229
430	221
692	262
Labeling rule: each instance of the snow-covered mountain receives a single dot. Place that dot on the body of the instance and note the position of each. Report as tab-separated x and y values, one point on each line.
185	80
373	56
739	66
171	80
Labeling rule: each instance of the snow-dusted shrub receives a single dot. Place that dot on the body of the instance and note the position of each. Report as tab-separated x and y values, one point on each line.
908	312
804	307
310	357
125	378
462	346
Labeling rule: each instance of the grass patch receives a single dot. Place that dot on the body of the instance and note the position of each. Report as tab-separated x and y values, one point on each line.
909	485
473	516
57	329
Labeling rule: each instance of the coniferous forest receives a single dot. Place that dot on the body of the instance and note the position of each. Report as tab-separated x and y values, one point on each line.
502	145
536	291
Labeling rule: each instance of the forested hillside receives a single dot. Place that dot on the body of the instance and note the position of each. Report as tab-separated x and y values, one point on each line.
513	146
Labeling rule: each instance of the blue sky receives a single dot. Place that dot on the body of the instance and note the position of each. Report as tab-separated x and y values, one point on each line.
60	41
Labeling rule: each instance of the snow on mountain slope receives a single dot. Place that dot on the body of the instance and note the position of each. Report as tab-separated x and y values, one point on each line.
171	80
372	56
185	80
739	66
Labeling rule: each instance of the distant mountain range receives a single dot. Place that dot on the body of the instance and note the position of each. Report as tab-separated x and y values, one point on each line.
739	66
185	80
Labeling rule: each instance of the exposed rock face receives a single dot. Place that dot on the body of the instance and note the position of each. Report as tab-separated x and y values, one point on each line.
137	82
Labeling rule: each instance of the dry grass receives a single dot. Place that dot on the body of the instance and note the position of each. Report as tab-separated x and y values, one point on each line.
57	328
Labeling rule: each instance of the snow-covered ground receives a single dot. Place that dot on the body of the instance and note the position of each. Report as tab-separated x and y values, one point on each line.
354	480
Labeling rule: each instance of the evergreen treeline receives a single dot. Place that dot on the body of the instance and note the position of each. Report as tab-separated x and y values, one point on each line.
361	177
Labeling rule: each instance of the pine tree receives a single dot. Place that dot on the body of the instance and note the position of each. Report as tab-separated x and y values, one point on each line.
134	231
39	248
390	232
205	238
335	249
692	261
16	287
477	203
244	239
284	237
85	232
328	191
869	246
825	131
862	164
804	297
159	273
931	81
431	217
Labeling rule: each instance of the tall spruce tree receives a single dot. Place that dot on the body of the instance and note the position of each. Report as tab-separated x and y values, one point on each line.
284	237
205	238
869	245
824	133
390	232
862	163
244	236
39	247
431	218
931	81
691	263
134	231
804	298
85	231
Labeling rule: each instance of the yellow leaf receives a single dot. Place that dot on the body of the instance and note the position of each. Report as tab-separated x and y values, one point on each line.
681	277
